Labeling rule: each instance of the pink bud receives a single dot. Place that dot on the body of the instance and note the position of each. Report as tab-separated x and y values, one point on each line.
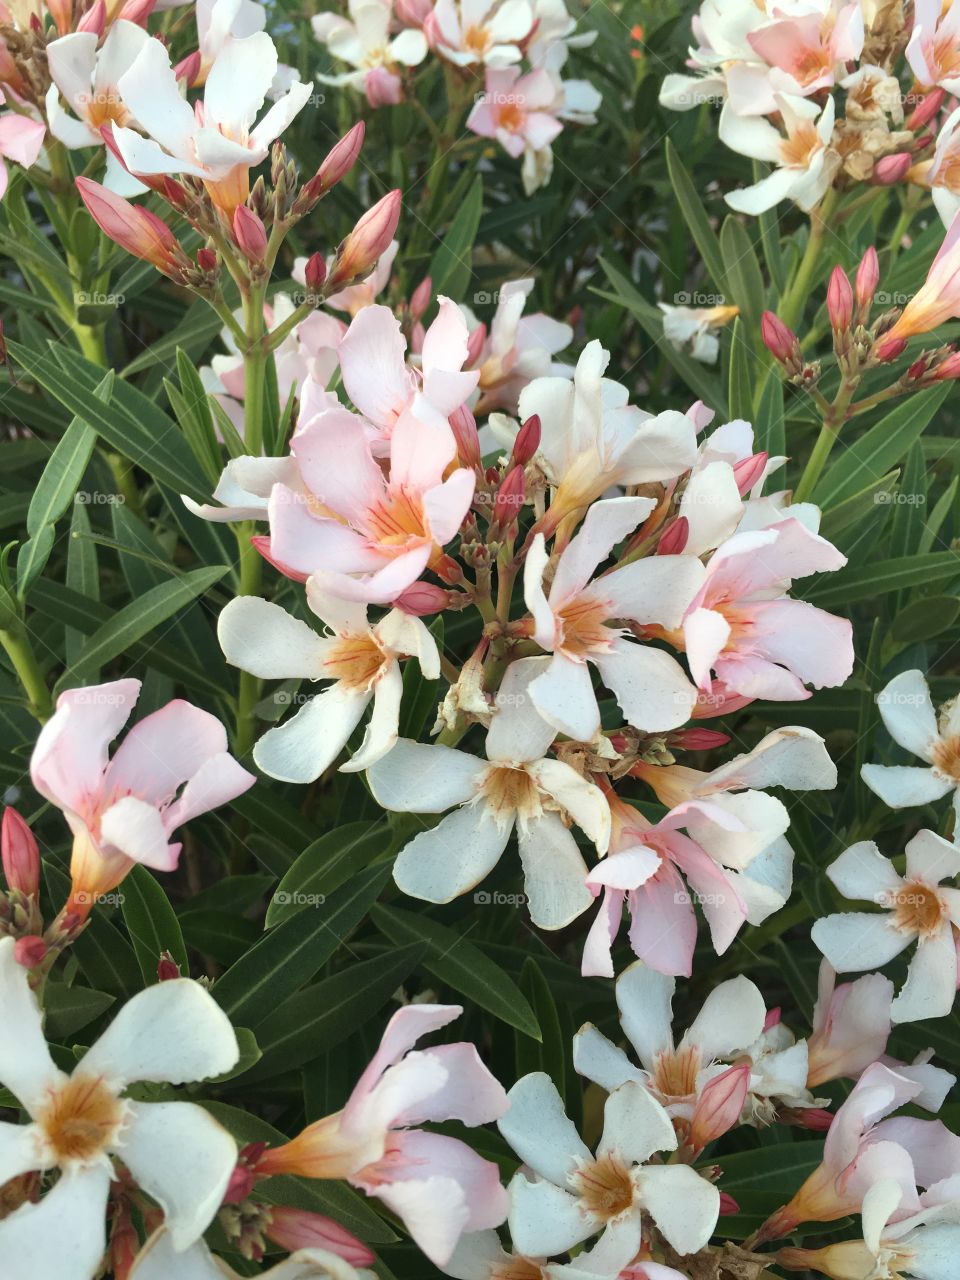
420	298
719	1106
167	968
698	739
315	272
29	951
249	233
949	367
95	19
464	427
189	68
674	537
924	111
422	598
889	348
294	1229
868	277
207	260
359	252
728	1206
413	13
21	857
527	442
134	228
475	344
261	542
509	499
138	11
918	368
244	1175
383	88
748	471
891	169
772	1019
839	300
816	1118
780	341
337	164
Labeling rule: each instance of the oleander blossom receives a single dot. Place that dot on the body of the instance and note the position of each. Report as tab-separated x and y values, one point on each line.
170	1034
158	1260
172	766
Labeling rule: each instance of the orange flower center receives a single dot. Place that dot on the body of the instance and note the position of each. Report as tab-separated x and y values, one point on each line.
517	1269
511	792
477	40
605	1187
675	1073
81	1120
356	660
945	757
582	627
917	909
397	519
797	150
511	117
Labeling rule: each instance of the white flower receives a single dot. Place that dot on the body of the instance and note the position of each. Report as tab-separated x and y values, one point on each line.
912	723
917	909
697	326
514	787
158	1260
364	41
489	31
573	623
574	1194
361	659
172	1033
806	163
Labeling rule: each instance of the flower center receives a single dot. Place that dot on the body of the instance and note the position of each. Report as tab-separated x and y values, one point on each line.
945	757
917	909
675	1073
797	150
104	106
397	519
605	1187
356	660
582	627
517	1269
477	40
946	55
82	1118
810	64
511	793
511	117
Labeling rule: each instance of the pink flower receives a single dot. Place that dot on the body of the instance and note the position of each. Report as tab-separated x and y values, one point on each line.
517	110
807	52
743	627
365	535
936	301
851	1025
933	51
125	809
518	348
21	140
436	1185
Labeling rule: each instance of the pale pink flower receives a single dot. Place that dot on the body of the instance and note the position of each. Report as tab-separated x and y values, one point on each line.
941	173
517	110
517	348
516	786
936	301
486	31
125	809
743	627
577	622
805	163
933	50
436	1185
934	736
917	908
364	41
361	660
851	1025
809	52
21	140
363	534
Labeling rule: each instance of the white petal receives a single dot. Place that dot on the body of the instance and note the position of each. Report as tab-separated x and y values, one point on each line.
904	786
384	723
581	800
453	857
544	1219
605	524
64	1235
635	1125
855	941
554	873
138	831
26	1068
518	733
174	1032
600	1060
564	697
651	687
265	640
862	873
908	712
418	777
540	1131
182	1157
683	1205
658	589
304	746
730	1020
645	1000
19	1148
931	984
931	859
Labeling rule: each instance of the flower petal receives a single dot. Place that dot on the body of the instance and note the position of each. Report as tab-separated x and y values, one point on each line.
540	1132
64	1234
453	857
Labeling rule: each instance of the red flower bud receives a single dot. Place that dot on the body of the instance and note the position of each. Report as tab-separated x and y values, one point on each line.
167	967
21	857
891	169
728	1206
527	442
422	598
868	277
138	11
839	300
674	537
29	951
889	348
475	345
134	228
207	260
509	499
294	1229
949	367
189	68
698	739
315	272
780	341
249	234
464	427
925	110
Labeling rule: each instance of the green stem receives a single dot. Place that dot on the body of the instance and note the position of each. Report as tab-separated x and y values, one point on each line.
16	642
791	308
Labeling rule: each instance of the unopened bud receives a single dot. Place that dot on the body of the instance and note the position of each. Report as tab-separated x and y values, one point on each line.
868	277
422	598
29	951
698	739
167	967
728	1206
475	343
138	11
134	228
464	427
509	499
816	1118
420	298
188	69
338	163
527	442
948	368
21	857
244	1175
674	537
889	348
294	1229
719	1105
925	111
839	300
749	471
360	251
918	368
315	272
449	570
780	341
249	234
95	19
891	169
207	259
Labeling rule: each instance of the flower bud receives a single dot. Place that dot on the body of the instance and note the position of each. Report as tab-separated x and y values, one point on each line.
749	471
167	968
383	88
359	252
449	570
337	164
948	368
464	427
890	170
294	1229
21	857
698	739
95	19
925	110
475	344
868	277
249	234
207	260
420	298
29	951
509	499
674	537
189	68
839	300
413	13
527	442
728	1206
138	11
315	272
135	229
719	1106
421	599
780	341
244	1175
887	349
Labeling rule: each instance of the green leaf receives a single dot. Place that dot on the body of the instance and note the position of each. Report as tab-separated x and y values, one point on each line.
550	1054
923	619
769	428
744	279
695	216
137	619
151	923
784	1166
288	956
68	1009
741	374
880	448
461	965
315	1020
452	265
82	575
852	511
325	865
64	470
883	576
